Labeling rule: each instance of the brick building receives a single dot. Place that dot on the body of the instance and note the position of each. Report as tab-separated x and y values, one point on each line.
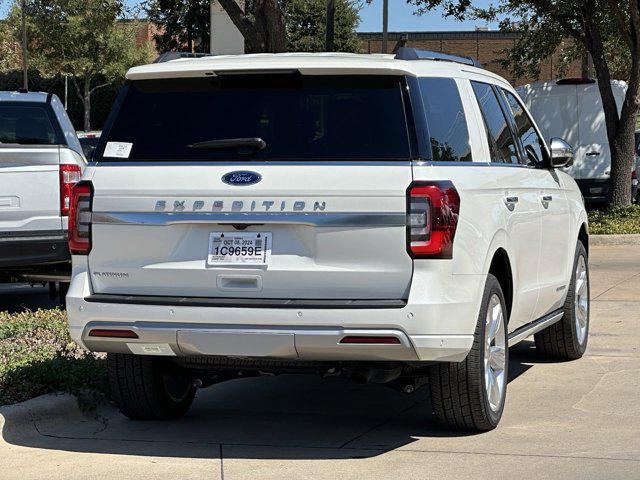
485	46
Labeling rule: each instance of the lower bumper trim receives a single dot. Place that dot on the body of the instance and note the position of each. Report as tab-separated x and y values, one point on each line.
230	302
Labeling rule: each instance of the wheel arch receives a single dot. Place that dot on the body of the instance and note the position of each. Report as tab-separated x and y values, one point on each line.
583	236
500	267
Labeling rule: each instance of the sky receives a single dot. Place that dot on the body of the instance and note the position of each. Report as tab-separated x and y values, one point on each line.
401	17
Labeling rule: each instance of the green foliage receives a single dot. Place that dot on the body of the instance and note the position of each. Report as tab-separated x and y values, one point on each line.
306	25
11	57
101	100
185	24
83	39
37	356
616	220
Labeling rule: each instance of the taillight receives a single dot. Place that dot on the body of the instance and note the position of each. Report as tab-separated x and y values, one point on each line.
80	219
432	218
634	175
69	176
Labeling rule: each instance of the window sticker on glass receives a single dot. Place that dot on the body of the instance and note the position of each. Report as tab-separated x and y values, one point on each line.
117	149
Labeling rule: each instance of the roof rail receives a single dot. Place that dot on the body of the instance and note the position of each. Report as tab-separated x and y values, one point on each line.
168	56
408	53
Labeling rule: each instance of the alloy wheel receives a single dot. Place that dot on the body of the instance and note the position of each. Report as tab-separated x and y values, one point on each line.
495	353
581	299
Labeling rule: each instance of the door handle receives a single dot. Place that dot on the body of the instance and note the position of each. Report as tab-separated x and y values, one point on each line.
510	202
593	154
547	198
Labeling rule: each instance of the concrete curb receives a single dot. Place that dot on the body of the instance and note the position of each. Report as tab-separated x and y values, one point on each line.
597	240
21	416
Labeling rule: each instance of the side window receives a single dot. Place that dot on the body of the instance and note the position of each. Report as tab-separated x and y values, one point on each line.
501	141
529	138
448	132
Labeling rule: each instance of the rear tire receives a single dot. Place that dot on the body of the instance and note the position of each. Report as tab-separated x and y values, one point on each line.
470	395
567	339
148	388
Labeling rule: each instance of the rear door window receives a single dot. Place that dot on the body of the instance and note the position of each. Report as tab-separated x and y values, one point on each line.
447	124
298	117
501	141
529	138
27	124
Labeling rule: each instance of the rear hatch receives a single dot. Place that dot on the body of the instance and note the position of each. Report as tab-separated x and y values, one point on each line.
29	169
302	178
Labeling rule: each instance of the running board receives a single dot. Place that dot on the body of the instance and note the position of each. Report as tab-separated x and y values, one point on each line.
534	327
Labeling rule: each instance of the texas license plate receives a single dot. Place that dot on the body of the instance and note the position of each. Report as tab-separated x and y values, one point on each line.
239	248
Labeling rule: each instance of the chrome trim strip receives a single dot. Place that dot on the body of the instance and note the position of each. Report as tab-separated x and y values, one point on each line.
534	327
478	163
314	219
251	164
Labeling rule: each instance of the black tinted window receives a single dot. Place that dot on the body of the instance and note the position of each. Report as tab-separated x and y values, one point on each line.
529	138
446	121
26	124
299	117
503	147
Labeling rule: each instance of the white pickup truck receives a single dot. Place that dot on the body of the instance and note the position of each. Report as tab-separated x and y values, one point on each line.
386	218
40	161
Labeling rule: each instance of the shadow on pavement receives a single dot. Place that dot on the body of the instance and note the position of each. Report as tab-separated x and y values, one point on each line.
16	297
283	417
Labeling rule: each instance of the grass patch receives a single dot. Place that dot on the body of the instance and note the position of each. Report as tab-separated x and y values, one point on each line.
37	356
616	220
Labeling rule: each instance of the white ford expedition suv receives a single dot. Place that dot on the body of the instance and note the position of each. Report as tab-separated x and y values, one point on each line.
391	219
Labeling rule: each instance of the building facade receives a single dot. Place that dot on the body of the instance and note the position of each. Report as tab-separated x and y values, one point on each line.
488	47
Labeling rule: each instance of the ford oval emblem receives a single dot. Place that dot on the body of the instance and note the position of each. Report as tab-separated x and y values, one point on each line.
241	177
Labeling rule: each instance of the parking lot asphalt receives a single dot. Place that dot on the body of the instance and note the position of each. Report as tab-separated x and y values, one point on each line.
563	420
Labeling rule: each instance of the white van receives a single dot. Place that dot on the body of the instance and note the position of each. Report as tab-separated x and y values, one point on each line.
571	108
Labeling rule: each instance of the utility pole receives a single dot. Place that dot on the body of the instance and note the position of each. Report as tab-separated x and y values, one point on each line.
385	25
66	91
25	64
331	18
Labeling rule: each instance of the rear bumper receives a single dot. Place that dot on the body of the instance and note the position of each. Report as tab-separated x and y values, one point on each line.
594	190
23	251
430	326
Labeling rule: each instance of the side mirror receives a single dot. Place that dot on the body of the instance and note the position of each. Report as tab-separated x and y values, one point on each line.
561	153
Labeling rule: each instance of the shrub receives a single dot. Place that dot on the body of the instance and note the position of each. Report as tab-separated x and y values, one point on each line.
37	356
617	220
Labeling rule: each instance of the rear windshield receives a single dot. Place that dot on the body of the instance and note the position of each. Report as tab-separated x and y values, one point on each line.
27	124
298	117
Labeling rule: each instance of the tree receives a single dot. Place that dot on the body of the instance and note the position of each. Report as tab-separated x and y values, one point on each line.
306	25
11	58
261	23
184	24
608	30
92	41
293	25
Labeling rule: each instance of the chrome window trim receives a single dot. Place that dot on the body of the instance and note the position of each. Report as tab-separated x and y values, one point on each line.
428	163
252	164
